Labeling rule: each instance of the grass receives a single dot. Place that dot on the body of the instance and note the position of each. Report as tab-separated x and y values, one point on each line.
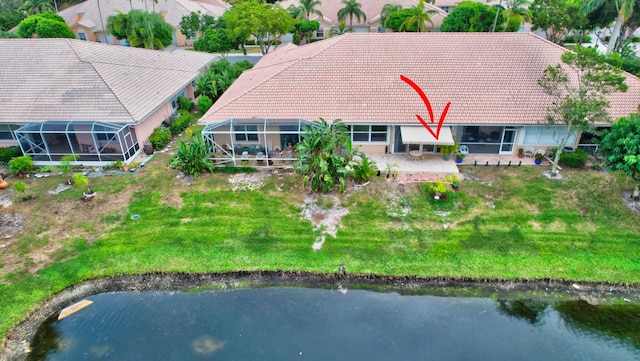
511	223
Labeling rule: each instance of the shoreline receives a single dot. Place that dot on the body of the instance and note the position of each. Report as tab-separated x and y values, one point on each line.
16	343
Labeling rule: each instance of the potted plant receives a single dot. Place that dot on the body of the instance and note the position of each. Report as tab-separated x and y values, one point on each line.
446	150
392	170
459	157
539	158
438	190
81	181
455	182
520	153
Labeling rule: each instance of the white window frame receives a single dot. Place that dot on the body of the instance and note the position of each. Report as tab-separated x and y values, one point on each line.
542	136
320	33
246	133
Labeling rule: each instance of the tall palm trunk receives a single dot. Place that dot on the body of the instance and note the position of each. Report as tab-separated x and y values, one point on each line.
615	33
104	31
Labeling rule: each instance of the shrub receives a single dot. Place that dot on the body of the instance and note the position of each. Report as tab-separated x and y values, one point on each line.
181	123
363	169
572	39
184	103
80	181
10	152
160	137
233	169
21	165
204	103
631	65
192	158
576	159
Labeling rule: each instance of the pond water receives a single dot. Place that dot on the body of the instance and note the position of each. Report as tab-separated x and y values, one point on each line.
321	324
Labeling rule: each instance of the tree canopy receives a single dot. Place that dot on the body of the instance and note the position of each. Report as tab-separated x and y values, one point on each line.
557	18
141	29
266	22
219	76
621	146
471	16
419	18
215	41
624	11
196	23
387	9
44	25
304	30
579	101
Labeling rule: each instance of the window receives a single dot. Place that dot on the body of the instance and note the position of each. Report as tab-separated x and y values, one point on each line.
6	131
545	135
82	36
246	133
445	8
368	133
320	33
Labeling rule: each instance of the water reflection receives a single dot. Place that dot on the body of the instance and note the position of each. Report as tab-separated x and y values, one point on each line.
320	324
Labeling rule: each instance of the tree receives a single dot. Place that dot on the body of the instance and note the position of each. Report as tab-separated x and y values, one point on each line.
32	7
516	12
193	158
44	25
219	76
266	22
215	41
625	9
419	18
309	7
351	8
471	16
342	29
579	101
621	147
557	18
141	29
190	24
10	19
396	19
320	156
387	9
304	31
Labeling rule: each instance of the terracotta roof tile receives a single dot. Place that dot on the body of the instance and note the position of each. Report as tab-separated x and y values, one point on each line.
488	78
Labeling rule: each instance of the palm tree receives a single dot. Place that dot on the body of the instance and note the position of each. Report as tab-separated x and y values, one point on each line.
309	7
342	29
421	16
351	9
36	6
517	9
386	10
625	9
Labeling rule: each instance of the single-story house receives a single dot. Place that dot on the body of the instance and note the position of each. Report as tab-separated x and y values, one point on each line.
88	19
371	8
99	101
490	79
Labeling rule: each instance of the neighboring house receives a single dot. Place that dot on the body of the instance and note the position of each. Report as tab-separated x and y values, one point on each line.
99	101
371	9
85	20
491	80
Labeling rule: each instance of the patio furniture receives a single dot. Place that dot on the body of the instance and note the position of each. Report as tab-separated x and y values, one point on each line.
541	151
463	149
245	155
415	155
529	152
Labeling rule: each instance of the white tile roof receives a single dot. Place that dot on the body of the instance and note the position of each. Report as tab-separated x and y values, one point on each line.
488	78
65	79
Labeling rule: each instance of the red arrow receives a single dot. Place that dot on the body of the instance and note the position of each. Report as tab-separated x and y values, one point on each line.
418	90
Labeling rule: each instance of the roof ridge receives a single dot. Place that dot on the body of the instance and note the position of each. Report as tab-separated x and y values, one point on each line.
104	81
248	90
285	67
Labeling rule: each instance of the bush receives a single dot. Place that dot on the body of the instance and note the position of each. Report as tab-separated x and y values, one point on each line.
21	165
233	169
193	158
160	137
631	65
180	123
572	39
576	159
10	152
184	103
204	103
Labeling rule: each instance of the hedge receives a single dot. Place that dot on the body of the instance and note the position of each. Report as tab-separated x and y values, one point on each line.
10	152
160	137
180	123
576	159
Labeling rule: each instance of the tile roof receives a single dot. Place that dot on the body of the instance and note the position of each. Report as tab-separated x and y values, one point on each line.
174	10
488	78
371	9
66	79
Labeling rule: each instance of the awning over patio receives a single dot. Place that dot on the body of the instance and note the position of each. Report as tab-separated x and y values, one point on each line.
420	135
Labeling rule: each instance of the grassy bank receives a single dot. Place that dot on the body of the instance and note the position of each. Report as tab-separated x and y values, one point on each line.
505	223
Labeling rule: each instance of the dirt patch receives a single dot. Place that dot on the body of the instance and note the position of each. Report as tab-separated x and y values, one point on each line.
16	343
326	221
630	203
243	182
11	224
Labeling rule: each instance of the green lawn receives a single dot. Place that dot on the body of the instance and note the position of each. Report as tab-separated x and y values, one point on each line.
509	223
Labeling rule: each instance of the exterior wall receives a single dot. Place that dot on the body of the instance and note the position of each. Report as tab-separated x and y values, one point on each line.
369	149
90	34
180	39
8	143
144	129
190	91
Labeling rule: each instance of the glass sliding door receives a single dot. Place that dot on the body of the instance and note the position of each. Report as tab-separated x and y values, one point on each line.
508	138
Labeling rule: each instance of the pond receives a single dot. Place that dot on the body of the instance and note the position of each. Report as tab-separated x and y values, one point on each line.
285	323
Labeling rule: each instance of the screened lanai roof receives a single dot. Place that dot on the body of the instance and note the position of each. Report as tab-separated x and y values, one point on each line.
73	127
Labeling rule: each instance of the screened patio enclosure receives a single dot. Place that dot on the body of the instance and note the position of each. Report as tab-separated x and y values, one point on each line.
95	143
261	141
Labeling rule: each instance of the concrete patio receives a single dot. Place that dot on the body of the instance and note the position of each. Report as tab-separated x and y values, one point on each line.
433	167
